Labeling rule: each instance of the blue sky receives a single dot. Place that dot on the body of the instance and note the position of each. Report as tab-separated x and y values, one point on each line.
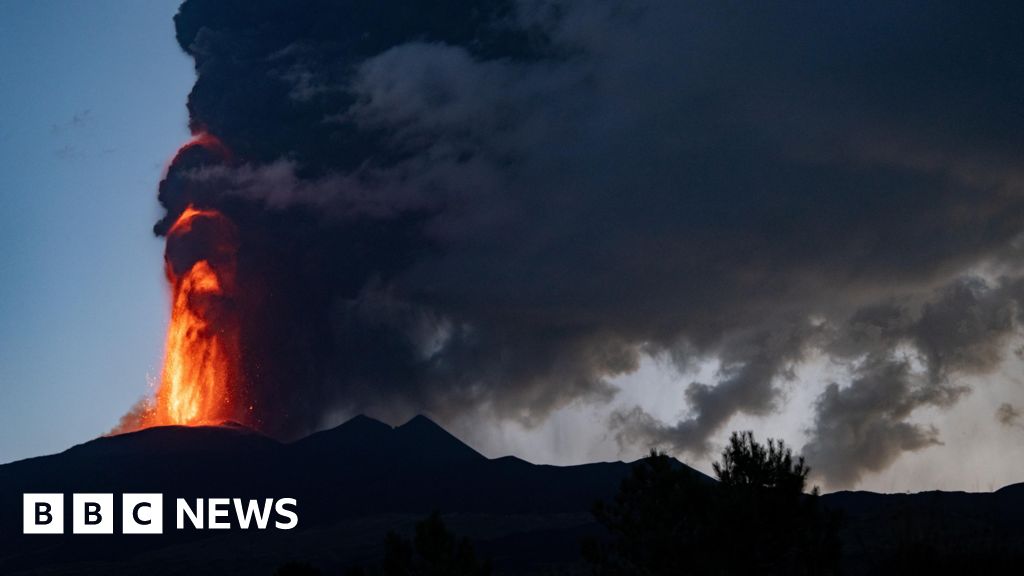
93	97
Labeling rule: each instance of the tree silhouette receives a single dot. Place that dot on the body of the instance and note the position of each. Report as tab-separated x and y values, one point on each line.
659	522
748	465
755	520
772	526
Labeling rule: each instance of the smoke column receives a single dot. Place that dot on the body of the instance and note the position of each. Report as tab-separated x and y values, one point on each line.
497	207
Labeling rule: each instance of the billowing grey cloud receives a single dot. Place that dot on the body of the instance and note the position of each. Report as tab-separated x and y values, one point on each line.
962	329
864	427
1008	415
504	204
747	372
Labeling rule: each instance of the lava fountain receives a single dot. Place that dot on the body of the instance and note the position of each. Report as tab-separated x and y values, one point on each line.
201	381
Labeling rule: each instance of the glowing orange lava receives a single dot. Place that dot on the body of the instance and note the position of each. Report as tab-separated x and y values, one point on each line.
200	380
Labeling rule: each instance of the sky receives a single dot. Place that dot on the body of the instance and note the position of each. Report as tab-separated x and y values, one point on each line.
93	95
570	234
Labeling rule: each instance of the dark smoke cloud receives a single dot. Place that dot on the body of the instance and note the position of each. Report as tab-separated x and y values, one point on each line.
504	204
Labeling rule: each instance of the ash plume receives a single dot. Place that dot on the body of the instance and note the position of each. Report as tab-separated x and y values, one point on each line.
503	204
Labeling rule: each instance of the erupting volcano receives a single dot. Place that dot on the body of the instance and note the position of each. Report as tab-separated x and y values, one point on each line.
201	380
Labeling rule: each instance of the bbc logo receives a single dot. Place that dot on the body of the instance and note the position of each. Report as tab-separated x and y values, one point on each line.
93	513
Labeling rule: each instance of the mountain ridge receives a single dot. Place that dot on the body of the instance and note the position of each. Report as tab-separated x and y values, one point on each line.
365	429
364	477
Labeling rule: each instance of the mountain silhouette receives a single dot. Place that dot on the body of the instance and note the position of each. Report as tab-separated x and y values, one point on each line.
360	470
363	439
355	482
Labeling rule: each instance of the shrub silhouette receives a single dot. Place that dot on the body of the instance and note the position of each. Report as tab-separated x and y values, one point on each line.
755	520
433	551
